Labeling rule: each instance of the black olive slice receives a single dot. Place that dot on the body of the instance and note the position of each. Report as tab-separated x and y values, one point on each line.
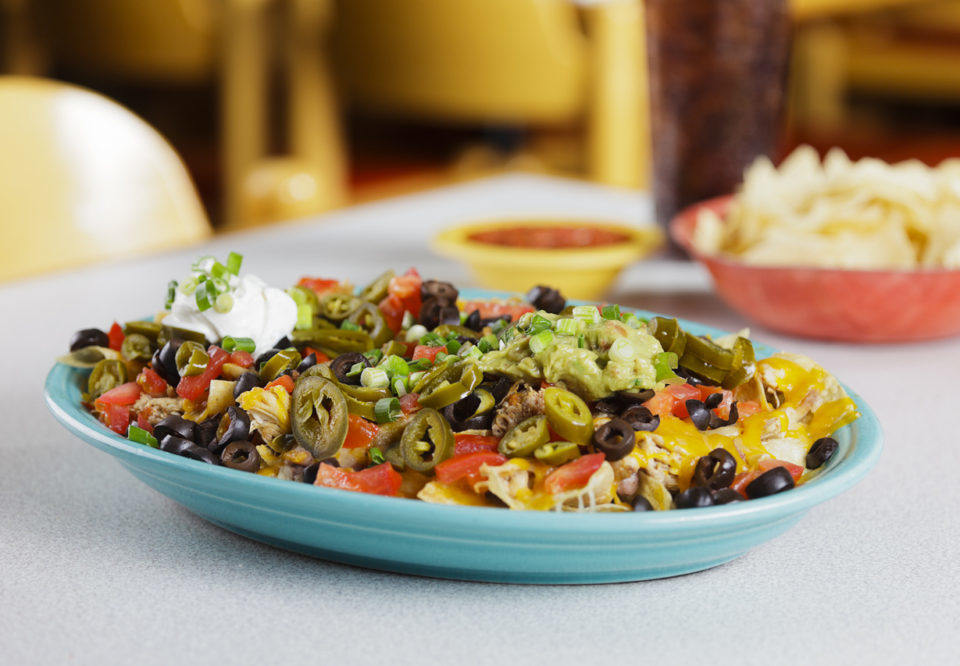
243	455
726	496
444	292
546	299
89	337
234	426
342	365
694	497
715	470
821	451
175	425
641	418
771	482
614	438
247	381
699	414
641	503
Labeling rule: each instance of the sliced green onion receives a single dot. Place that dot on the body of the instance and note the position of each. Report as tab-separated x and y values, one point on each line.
581	341
632	320
234	261
453	346
141	436
205	296
415	332
374	378
219	271
231	344
440	357
408	320
525	319
399	385
374	355
474	352
376	455
419	364
304	317
611	312
395	365
569	326
349	326
541	341
356	369
510	334
432	340
539	323
622	350
588	313
488	342
387	410
665	363
190	286
171	293
498	326
297	294
198	264
223	304
415	377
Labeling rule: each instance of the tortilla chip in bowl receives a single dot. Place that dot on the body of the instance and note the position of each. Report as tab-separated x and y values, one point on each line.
849	304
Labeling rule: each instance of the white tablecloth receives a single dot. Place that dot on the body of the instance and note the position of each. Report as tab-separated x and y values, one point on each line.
96	568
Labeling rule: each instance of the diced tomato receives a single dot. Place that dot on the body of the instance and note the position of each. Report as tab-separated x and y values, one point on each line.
116	417
410	403
360	432
575	474
429	353
747	408
406	287
723	409
286	381
143	420
473	443
125	394
320	285
672	400
497	308
152	383
742	480
242	358
193	388
321	357
392	310
115	336
467	466
379	480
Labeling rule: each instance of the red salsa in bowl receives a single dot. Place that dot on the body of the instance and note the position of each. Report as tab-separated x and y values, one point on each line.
547	237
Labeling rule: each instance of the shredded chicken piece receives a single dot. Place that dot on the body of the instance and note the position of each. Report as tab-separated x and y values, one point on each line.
520	403
661	467
157	409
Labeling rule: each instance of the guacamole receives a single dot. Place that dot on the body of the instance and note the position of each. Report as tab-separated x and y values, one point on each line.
598	359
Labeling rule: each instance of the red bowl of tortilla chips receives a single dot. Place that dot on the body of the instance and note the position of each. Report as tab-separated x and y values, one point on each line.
827	303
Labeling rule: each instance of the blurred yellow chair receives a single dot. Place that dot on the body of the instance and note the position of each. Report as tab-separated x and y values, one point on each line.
843	46
520	62
82	180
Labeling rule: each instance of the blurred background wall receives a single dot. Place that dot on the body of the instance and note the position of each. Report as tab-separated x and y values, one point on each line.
289	107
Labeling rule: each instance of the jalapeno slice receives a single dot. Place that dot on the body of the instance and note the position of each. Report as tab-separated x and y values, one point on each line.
706	359
557	453
191	359
149	329
168	333
743	364
276	365
337	307
377	290
335	340
136	347
106	374
456	381
568	415
444	330
669	334
525	437
319	416
427	440
369	318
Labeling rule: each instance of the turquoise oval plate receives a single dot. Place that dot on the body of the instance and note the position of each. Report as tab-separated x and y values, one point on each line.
472	543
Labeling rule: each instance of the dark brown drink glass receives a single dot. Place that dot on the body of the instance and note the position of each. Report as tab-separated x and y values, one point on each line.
717	77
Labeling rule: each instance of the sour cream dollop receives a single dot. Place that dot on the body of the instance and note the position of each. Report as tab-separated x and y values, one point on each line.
263	314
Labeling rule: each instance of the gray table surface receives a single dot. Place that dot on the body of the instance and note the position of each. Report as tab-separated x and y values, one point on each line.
96	568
